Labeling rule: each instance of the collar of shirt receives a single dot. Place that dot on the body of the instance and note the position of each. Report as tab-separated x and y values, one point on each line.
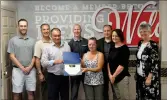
62	44
107	42
45	41
24	38
78	39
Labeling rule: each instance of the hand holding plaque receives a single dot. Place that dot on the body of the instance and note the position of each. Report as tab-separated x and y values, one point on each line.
72	64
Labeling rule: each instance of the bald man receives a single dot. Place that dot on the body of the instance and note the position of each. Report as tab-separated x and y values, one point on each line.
78	45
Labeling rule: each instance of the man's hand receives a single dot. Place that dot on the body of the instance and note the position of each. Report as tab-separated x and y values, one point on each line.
41	77
24	70
28	69
59	61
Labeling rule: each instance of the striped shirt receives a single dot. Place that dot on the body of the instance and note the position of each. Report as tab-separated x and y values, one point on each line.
52	53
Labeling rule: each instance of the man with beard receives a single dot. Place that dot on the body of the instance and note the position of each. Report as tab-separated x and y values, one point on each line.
21	50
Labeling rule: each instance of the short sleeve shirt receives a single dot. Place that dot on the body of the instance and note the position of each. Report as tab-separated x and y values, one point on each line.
39	47
119	56
23	48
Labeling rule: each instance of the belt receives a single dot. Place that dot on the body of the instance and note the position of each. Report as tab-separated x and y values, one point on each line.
15	66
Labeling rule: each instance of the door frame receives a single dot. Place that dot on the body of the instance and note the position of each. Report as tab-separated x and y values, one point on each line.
10	6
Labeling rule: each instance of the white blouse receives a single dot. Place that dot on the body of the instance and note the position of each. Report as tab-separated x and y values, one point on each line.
140	69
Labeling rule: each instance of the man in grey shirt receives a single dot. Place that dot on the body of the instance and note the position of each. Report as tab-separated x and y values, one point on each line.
52	59
21	48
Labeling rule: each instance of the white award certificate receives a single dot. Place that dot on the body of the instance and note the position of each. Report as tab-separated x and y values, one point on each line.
72	64
72	69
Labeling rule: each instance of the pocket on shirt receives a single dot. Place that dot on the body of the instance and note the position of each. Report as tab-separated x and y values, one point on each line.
84	47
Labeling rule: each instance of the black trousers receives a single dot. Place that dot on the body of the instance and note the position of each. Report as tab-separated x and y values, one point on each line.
139	88
44	87
75	83
106	85
58	85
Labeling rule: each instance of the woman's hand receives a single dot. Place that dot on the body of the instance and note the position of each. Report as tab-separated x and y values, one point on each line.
148	81
112	79
84	70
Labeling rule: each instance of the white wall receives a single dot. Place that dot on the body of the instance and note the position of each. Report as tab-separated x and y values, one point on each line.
64	15
163	29
163	45
9	4
26	9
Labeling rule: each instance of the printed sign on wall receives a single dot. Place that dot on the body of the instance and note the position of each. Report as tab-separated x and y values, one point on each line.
91	15
129	21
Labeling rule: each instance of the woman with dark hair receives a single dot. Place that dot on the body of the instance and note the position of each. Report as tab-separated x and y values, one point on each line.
118	66
147	73
92	63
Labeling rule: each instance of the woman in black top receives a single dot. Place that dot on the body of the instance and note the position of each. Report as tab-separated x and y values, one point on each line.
118	65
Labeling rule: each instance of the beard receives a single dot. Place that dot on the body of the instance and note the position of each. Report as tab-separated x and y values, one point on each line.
23	32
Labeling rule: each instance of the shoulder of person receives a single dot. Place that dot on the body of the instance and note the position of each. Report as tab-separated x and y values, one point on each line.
100	53
38	41
112	44
84	39
31	38
125	47
84	55
66	43
13	38
71	40
153	43
100	40
139	43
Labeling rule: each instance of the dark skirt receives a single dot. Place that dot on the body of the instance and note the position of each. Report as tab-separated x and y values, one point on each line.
144	92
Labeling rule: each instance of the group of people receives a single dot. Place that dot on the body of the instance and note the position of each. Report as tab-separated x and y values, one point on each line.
104	62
